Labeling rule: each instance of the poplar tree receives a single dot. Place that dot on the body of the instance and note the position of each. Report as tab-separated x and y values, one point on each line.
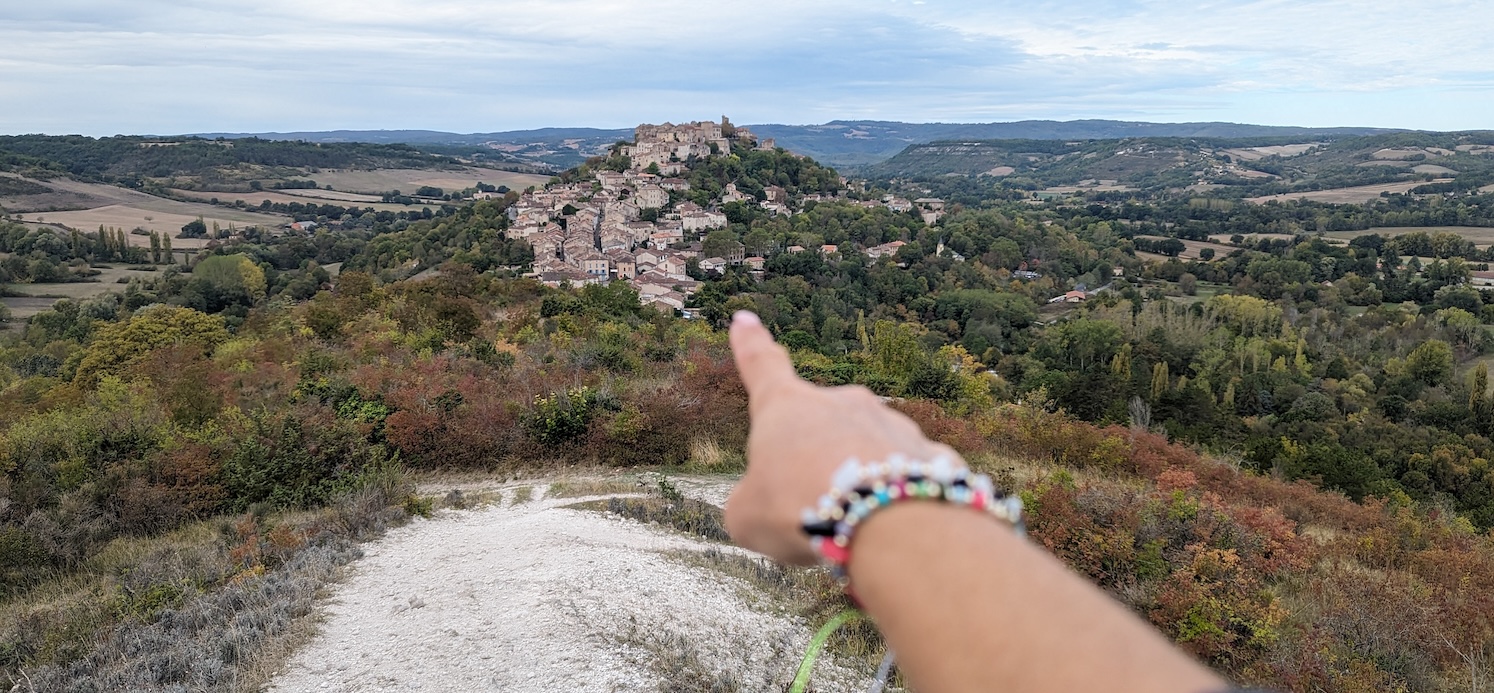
1478	383
1159	380
1120	365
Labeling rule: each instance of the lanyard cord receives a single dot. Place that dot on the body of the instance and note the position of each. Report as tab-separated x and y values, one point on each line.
817	643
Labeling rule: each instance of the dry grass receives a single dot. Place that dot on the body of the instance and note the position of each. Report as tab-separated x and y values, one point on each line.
188	611
669	509
575	488
706	455
681	666
808	593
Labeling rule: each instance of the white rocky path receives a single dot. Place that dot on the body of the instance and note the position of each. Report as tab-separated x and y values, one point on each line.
529	595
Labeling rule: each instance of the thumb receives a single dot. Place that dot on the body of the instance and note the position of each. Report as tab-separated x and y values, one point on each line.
762	364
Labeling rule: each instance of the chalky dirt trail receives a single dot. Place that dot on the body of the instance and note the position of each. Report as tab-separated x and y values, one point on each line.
527	594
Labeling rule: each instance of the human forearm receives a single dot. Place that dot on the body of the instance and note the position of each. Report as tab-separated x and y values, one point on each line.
968	606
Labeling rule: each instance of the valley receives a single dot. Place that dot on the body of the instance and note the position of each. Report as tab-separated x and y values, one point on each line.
1224	411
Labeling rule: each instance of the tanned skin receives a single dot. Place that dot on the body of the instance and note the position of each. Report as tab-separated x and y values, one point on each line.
966	604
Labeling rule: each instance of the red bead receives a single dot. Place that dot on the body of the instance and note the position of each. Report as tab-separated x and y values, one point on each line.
835	553
979	501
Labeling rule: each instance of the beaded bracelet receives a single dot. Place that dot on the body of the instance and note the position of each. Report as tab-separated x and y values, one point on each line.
859	489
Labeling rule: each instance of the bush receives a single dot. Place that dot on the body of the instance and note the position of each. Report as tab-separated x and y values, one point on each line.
298	459
563	416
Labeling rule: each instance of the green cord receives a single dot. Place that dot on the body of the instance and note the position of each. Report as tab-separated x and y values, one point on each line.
801	681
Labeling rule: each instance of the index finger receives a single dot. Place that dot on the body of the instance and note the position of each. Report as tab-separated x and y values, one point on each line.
762	363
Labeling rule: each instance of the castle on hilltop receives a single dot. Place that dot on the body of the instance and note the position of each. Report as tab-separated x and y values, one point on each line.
662	144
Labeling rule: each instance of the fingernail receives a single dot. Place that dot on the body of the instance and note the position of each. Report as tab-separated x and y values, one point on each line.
745	317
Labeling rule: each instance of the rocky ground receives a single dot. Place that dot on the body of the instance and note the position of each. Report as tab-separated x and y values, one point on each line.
530	593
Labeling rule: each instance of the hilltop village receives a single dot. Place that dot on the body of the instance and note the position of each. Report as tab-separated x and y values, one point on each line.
637	224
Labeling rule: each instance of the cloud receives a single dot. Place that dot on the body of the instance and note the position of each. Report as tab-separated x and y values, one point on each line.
207	65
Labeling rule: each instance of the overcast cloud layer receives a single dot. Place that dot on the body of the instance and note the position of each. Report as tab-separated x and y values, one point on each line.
169	66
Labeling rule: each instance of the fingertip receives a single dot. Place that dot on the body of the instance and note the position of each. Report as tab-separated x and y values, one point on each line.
760	361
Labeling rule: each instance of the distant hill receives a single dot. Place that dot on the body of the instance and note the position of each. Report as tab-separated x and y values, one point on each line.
1245	166
130	158
851	143
529	151
840	143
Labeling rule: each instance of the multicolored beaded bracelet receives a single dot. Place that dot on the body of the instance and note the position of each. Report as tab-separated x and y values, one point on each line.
859	489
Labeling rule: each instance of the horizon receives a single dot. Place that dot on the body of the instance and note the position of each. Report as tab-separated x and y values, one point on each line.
92	68
294	131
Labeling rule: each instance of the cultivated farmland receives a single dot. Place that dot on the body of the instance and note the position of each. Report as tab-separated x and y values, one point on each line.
86	206
129	217
408	180
36	298
1355	195
1477	234
253	199
1223	238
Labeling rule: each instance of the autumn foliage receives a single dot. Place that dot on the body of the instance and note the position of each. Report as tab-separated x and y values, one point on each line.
1275	583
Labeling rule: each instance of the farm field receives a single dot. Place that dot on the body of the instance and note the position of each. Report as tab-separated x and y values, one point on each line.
40	297
1192	248
128	217
1478	234
86	206
1355	195
1204	293
86	196
1283	150
282	197
407	180
1223	238
331	195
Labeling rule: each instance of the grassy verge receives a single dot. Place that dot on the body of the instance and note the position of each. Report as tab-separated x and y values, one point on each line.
212	606
807	593
665	505
575	488
682	667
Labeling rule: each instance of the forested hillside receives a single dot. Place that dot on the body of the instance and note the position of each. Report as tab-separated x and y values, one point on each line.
1237	167
1271	442
125	159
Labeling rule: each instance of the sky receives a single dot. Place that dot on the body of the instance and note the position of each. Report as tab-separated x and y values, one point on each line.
102	67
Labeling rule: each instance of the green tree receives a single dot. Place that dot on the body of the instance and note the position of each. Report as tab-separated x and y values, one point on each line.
1478	385
719	243
1431	363
196	228
231	273
1084	343
118	346
1160	380
1188	284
